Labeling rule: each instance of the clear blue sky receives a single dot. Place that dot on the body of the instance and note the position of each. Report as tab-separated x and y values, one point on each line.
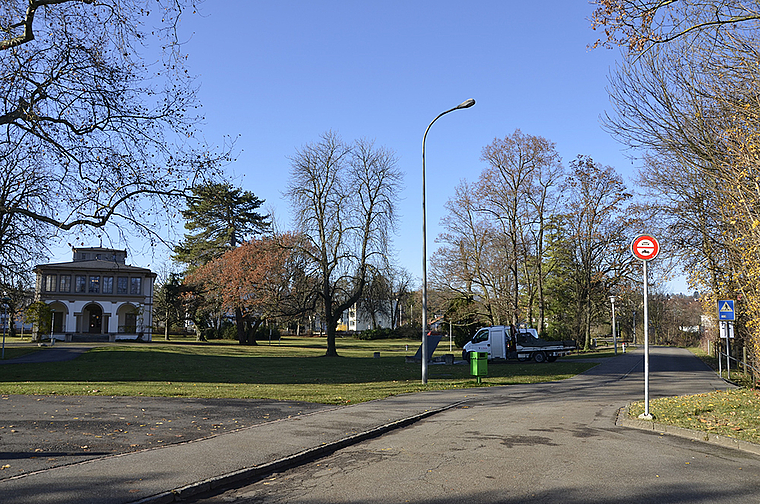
280	73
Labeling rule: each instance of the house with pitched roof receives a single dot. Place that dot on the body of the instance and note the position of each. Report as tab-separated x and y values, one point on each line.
97	296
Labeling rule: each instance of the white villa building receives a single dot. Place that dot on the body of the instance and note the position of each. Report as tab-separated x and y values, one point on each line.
97	296
356	319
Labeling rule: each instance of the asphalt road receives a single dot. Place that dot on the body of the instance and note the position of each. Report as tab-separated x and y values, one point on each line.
555	442
40	432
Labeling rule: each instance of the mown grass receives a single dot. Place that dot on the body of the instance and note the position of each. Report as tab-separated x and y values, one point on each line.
734	413
289	369
15	352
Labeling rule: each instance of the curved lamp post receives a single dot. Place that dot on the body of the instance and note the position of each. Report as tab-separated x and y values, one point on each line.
5	301
465	104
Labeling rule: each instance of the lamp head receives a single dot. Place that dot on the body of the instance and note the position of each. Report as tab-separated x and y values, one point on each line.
466	104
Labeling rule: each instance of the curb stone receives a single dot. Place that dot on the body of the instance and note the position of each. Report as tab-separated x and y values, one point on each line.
253	474
623	420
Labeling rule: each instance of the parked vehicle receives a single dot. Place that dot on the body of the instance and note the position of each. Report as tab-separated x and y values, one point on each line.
508	342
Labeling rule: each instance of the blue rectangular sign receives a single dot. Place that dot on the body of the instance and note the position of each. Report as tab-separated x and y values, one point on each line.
726	310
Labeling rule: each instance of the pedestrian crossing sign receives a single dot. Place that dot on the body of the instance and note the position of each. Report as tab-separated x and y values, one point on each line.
726	310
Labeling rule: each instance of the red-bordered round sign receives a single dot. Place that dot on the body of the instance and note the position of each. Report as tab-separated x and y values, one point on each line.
645	247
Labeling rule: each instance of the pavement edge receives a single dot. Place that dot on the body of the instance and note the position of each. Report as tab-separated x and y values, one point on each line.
253	474
623	420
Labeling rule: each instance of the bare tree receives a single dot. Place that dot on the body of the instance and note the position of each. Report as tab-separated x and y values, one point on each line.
94	132
515	163
642	24
473	261
343	198
597	227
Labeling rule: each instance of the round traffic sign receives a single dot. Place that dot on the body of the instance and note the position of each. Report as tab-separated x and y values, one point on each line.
645	247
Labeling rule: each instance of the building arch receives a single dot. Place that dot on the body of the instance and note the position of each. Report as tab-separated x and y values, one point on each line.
129	318
93	318
60	313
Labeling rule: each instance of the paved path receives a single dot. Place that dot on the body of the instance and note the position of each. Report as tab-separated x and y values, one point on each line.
53	353
521	419
544	443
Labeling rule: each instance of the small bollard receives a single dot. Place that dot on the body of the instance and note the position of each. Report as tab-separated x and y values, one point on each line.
623	347
377	355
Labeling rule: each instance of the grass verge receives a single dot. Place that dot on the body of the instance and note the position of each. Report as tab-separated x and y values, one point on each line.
291	369
734	413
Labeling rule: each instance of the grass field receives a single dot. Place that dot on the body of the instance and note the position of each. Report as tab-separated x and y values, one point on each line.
293	369
733	413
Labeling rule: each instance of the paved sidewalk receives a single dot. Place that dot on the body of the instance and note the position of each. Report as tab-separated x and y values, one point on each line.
164	474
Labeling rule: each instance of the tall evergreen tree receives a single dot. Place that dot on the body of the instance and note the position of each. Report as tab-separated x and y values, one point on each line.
219	218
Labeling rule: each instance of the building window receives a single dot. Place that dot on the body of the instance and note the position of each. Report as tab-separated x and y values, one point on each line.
50	283
135	286
65	285
121	285
94	284
130	322
79	283
107	285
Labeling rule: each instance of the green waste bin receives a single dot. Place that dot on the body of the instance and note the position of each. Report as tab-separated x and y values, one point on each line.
479	364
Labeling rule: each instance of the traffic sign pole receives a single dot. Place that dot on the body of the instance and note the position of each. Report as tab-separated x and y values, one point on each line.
646	414
646	248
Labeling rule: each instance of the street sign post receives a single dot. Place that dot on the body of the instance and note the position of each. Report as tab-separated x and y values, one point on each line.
645	248
726	316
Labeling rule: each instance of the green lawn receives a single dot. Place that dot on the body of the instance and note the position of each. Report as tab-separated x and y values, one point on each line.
14	352
734	413
293	368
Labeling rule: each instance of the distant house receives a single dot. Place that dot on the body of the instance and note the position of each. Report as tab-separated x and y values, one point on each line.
97	296
357	319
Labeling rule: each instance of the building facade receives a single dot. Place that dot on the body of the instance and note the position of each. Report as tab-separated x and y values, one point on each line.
97	295
357	319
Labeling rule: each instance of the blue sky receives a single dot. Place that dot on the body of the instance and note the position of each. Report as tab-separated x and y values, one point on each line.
280	73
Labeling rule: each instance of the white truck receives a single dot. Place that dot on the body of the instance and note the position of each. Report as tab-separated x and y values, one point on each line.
508	342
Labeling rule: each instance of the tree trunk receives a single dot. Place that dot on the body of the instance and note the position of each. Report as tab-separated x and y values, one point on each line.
240	326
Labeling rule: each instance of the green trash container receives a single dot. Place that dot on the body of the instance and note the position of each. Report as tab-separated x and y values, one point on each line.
479	364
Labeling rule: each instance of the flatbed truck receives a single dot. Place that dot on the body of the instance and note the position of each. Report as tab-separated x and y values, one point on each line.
521	343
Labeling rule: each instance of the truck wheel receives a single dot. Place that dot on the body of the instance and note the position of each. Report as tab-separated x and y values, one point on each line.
466	355
539	357
551	358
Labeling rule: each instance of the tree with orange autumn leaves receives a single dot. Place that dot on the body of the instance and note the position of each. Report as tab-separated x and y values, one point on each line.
260	278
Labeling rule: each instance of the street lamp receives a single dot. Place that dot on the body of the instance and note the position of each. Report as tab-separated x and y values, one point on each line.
614	334
5	320
465	104
52	323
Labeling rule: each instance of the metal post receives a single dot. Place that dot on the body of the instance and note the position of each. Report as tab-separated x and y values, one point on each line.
633	337
451	336
728	349
424	350
5	323
646	415
614	335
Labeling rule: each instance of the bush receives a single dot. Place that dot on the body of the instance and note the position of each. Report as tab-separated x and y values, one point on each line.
262	333
375	334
